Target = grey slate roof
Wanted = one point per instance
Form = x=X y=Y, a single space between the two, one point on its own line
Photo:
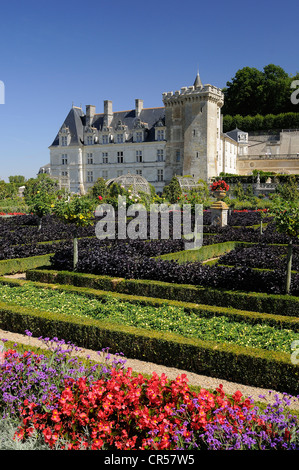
x=197 y=83
x=76 y=120
x=233 y=134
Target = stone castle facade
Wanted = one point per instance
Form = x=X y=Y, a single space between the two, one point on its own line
x=183 y=137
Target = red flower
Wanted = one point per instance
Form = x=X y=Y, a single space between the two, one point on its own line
x=219 y=185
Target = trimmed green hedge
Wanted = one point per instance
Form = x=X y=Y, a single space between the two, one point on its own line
x=249 y=366
x=252 y=301
x=20 y=265
x=204 y=253
x=272 y=122
x=208 y=311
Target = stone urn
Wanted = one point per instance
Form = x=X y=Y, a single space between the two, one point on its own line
x=219 y=194
x=219 y=209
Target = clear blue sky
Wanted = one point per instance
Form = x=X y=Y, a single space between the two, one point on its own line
x=55 y=53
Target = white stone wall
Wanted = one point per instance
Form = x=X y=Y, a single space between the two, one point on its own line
x=90 y=172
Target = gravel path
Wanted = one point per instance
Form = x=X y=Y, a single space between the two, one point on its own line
x=148 y=368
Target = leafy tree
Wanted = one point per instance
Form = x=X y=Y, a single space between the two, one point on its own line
x=39 y=195
x=238 y=191
x=41 y=204
x=289 y=190
x=286 y=217
x=172 y=192
x=43 y=182
x=253 y=92
x=77 y=211
x=244 y=93
x=17 y=179
x=99 y=189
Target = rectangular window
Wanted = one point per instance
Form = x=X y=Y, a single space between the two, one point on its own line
x=139 y=136
x=160 y=155
x=64 y=159
x=139 y=172
x=89 y=140
x=160 y=175
x=105 y=174
x=89 y=159
x=160 y=134
x=105 y=157
x=178 y=156
x=105 y=139
x=120 y=138
x=64 y=174
x=64 y=140
x=120 y=157
x=119 y=173
x=89 y=176
x=139 y=156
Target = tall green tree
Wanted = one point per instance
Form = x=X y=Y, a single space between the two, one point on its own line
x=17 y=179
x=252 y=91
x=39 y=195
x=288 y=190
x=244 y=94
x=286 y=217
x=172 y=192
x=78 y=211
x=43 y=182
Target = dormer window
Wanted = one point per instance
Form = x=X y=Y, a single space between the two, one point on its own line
x=160 y=130
x=105 y=139
x=139 y=136
x=160 y=134
x=90 y=135
x=64 y=136
x=119 y=138
x=120 y=133
x=139 y=131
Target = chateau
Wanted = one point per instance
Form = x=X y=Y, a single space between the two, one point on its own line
x=183 y=137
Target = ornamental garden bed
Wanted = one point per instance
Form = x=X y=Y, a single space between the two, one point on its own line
x=232 y=295
x=173 y=334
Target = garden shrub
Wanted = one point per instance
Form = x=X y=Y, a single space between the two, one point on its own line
x=249 y=366
x=19 y=265
x=256 y=302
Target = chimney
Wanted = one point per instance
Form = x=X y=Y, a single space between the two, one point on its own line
x=138 y=107
x=90 y=112
x=108 y=114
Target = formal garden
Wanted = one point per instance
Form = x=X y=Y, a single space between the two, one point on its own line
x=228 y=310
